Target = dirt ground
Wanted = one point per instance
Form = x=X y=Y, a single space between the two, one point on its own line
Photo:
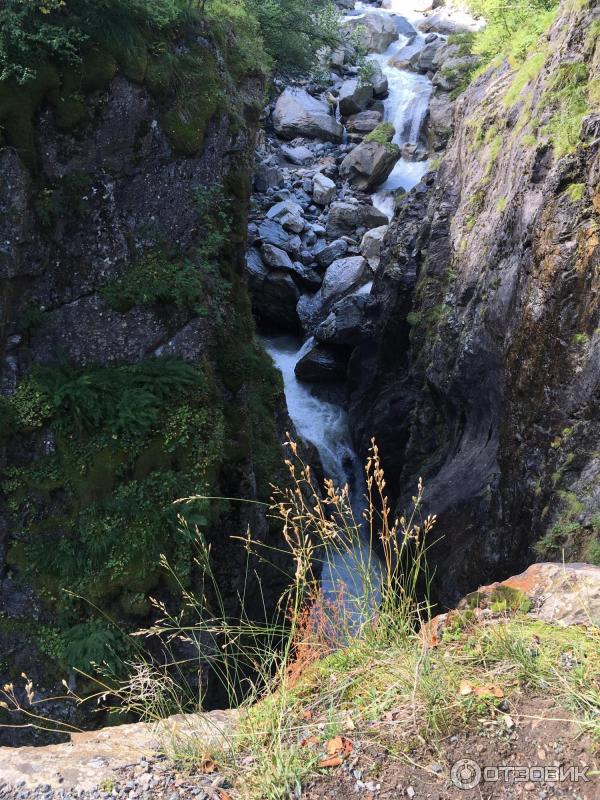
x=537 y=734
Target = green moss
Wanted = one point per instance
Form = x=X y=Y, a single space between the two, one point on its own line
x=501 y=203
x=576 y=191
x=413 y=318
x=382 y=134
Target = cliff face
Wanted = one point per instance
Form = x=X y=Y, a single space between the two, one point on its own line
x=484 y=372
x=122 y=234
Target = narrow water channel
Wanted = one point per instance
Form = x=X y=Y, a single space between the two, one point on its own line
x=322 y=422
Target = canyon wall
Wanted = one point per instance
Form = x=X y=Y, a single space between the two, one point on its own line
x=129 y=369
x=482 y=374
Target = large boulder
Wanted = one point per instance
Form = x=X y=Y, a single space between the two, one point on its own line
x=342 y=277
x=276 y=258
x=424 y=60
x=344 y=218
x=331 y=252
x=374 y=32
x=449 y=21
x=298 y=113
x=440 y=119
x=321 y=364
x=369 y=164
x=354 y=97
x=350 y=320
x=323 y=189
x=300 y=155
x=378 y=80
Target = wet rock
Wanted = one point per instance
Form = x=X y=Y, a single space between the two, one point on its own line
x=343 y=218
x=354 y=97
x=371 y=244
x=324 y=189
x=321 y=364
x=297 y=113
x=364 y=122
x=413 y=151
x=378 y=80
x=374 y=32
x=274 y=298
x=369 y=164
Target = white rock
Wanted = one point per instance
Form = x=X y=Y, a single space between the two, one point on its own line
x=323 y=189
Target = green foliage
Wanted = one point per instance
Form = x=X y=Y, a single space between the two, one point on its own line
x=568 y=96
x=528 y=70
x=66 y=198
x=194 y=283
x=94 y=642
x=293 y=31
x=513 y=27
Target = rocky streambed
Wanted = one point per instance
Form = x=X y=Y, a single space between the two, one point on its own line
x=335 y=155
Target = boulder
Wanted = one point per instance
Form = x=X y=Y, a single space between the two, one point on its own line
x=369 y=164
x=328 y=254
x=349 y=321
x=364 y=121
x=454 y=71
x=323 y=190
x=423 y=60
x=298 y=113
x=372 y=217
x=354 y=97
x=371 y=244
x=270 y=231
x=342 y=276
x=414 y=151
x=374 y=32
x=343 y=218
x=300 y=155
x=284 y=208
x=276 y=258
x=321 y=364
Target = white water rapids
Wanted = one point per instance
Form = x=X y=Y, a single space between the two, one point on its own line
x=322 y=422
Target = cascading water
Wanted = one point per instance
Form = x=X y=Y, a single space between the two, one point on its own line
x=323 y=422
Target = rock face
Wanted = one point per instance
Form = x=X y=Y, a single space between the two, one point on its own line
x=369 y=164
x=100 y=273
x=483 y=373
x=297 y=113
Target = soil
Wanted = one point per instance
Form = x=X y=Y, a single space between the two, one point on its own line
x=537 y=733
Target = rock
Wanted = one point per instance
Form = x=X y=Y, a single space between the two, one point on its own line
x=271 y=232
x=343 y=218
x=364 y=122
x=440 y=120
x=369 y=164
x=274 y=299
x=449 y=21
x=423 y=60
x=565 y=594
x=370 y=246
x=372 y=217
x=297 y=113
x=343 y=276
x=337 y=249
x=354 y=97
x=413 y=151
x=284 y=208
x=300 y=155
x=267 y=176
x=374 y=32
x=276 y=258
x=323 y=189
x=453 y=72
x=321 y=364
x=348 y=321
x=378 y=80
